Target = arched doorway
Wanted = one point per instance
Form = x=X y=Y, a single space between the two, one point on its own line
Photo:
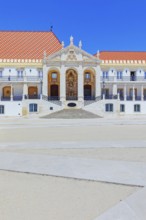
x=71 y=85
x=32 y=92
x=87 y=92
x=53 y=85
x=7 y=92
x=89 y=85
x=54 y=91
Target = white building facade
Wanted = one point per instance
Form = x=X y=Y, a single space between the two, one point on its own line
x=72 y=78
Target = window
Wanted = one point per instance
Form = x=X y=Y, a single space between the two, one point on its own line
x=40 y=73
x=1 y=73
x=136 y=108
x=145 y=75
x=87 y=76
x=54 y=75
x=122 y=108
x=121 y=93
x=109 y=107
x=33 y=107
x=119 y=75
x=105 y=75
x=132 y=76
x=1 y=109
x=20 y=73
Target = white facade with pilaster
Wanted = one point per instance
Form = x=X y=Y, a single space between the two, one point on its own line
x=72 y=78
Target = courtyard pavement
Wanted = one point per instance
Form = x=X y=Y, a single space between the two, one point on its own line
x=15 y=156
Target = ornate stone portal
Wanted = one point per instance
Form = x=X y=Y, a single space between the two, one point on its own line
x=71 y=85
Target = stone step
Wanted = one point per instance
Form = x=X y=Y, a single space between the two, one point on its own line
x=71 y=114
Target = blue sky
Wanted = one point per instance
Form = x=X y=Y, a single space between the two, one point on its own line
x=101 y=25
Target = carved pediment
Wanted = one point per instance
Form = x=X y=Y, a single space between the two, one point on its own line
x=71 y=54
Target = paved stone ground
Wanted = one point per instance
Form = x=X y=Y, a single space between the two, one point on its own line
x=71 y=114
x=111 y=134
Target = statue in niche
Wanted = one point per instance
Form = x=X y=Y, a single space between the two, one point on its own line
x=71 y=84
x=71 y=80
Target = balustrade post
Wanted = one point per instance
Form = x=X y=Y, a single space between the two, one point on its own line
x=103 y=96
x=118 y=96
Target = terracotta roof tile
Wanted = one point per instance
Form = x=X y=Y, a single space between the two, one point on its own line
x=27 y=45
x=105 y=55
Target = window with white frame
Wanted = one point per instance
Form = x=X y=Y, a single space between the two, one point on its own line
x=2 y=109
x=33 y=107
x=105 y=74
x=109 y=107
x=122 y=108
x=119 y=74
x=136 y=108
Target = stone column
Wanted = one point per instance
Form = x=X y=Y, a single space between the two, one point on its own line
x=142 y=96
x=133 y=94
x=45 y=81
x=115 y=76
x=25 y=90
x=114 y=89
x=125 y=95
x=62 y=83
x=41 y=89
x=80 y=84
x=11 y=92
x=97 y=82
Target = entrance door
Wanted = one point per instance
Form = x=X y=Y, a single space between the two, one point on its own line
x=7 y=92
x=87 y=91
x=54 y=92
x=32 y=92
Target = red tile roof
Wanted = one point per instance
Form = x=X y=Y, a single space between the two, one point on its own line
x=27 y=44
x=31 y=45
x=105 y=55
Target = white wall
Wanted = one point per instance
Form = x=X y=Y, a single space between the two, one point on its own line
x=12 y=108
x=129 y=107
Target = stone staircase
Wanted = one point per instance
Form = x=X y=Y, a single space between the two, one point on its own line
x=71 y=114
